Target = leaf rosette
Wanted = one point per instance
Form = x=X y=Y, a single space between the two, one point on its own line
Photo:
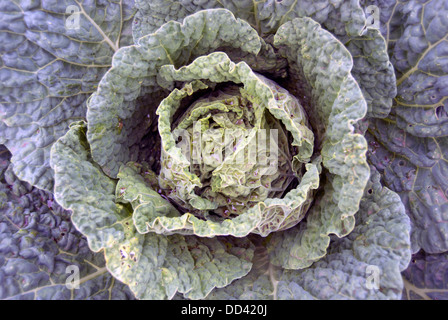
x=204 y=136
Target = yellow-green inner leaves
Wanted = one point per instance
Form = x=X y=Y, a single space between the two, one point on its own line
x=218 y=193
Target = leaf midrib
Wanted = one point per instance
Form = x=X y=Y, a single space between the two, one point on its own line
x=97 y=27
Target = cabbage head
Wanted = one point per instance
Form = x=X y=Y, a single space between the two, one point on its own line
x=222 y=154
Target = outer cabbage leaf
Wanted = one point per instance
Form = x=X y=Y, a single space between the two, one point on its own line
x=154 y=266
x=320 y=69
x=390 y=24
x=38 y=243
x=426 y=277
x=409 y=147
x=380 y=241
x=49 y=69
x=264 y=16
x=345 y=19
x=373 y=71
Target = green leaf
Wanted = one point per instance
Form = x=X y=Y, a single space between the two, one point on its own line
x=264 y=16
x=49 y=70
x=320 y=69
x=41 y=252
x=408 y=147
x=157 y=267
x=415 y=168
x=147 y=204
x=391 y=25
x=373 y=71
x=380 y=242
x=95 y=213
x=154 y=266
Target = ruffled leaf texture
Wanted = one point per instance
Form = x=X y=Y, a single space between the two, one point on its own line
x=153 y=266
x=48 y=69
x=346 y=20
x=152 y=213
x=320 y=68
x=41 y=250
x=380 y=242
x=409 y=147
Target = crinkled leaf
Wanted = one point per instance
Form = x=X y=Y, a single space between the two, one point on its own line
x=320 y=67
x=264 y=16
x=152 y=213
x=82 y=187
x=380 y=243
x=373 y=71
x=416 y=169
x=49 y=69
x=390 y=24
x=41 y=250
x=422 y=72
x=154 y=266
x=146 y=202
x=409 y=148
x=158 y=266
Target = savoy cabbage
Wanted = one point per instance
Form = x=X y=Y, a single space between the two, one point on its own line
x=131 y=149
